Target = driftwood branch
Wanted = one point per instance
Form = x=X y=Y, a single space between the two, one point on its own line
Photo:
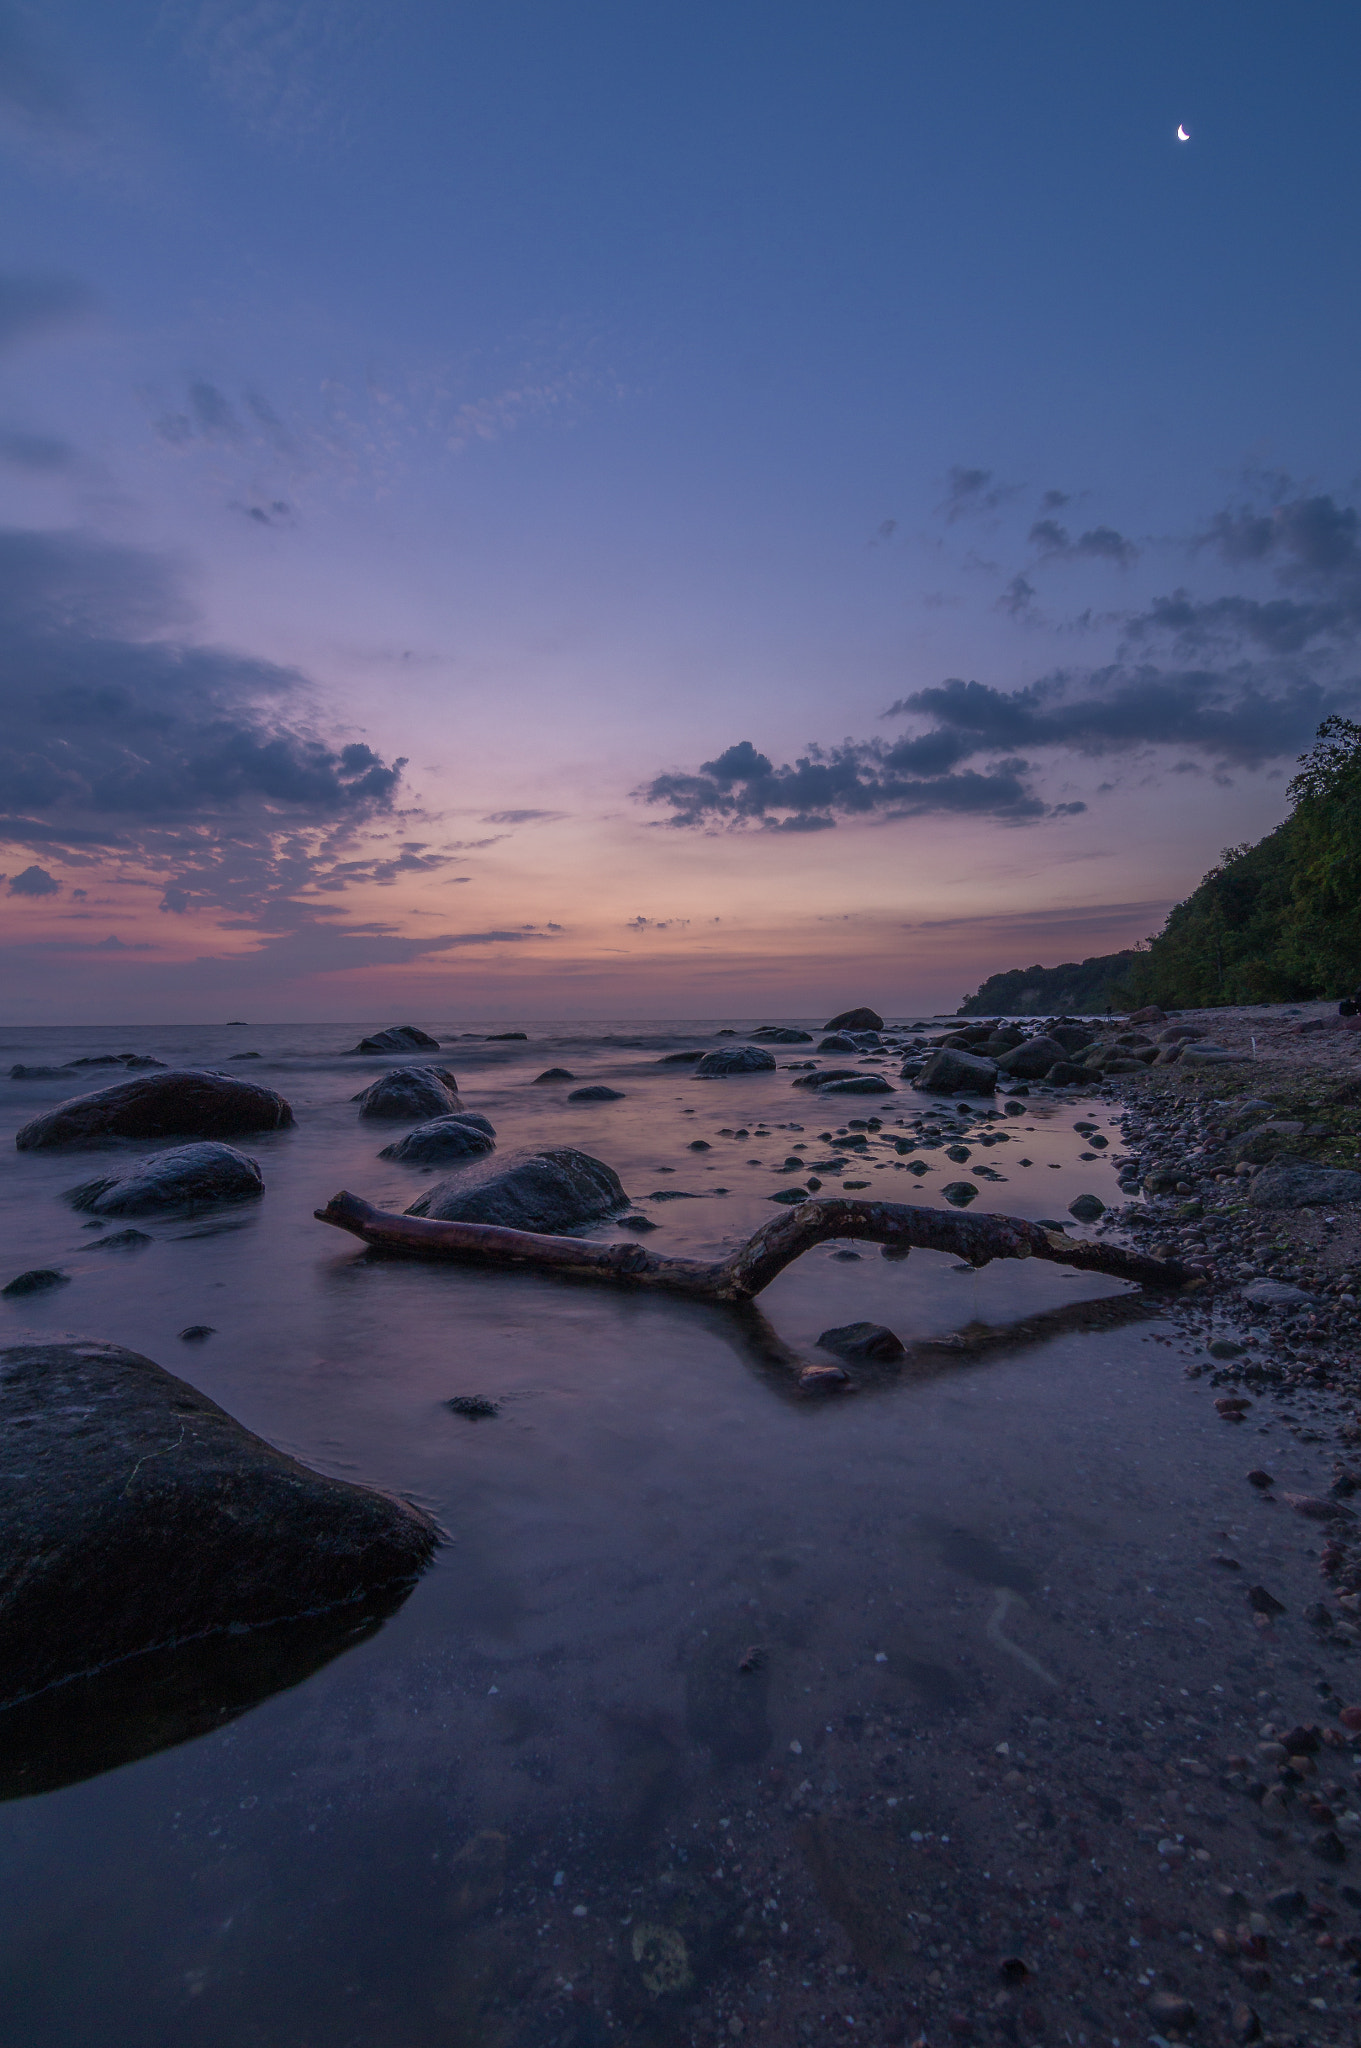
x=753 y=1265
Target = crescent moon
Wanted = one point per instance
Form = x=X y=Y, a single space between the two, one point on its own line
x=1183 y=133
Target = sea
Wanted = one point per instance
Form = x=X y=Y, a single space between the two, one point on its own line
x=698 y=1728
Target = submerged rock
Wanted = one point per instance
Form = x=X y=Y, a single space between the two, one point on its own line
x=414 y=1092
x=736 y=1059
x=559 y=1074
x=855 y=1020
x=863 y=1340
x=137 y=1514
x=597 y=1093
x=780 y=1034
x=548 y=1191
x=398 y=1038
x=839 y=1041
x=180 y=1103
x=464 y=1136
x=189 y=1176
x=38 y=1280
x=858 y=1084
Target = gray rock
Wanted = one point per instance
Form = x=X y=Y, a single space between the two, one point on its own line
x=1087 y=1208
x=399 y=1038
x=959 y=1193
x=552 y=1190
x=22 y=1073
x=860 y=1084
x=464 y=1136
x=187 y=1177
x=180 y=1103
x=38 y=1280
x=819 y=1076
x=562 y=1074
x=780 y=1034
x=855 y=1020
x=502 y=1037
x=1031 y=1059
x=736 y=1059
x=863 y=1340
x=597 y=1093
x=957 y=1073
x=678 y=1059
x=120 y=1241
x=1293 y=1185
x=1264 y=1144
x=1073 y=1038
x=1066 y=1074
x=135 y=1514
x=839 y=1041
x=1207 y=1056
x=1276 y=1294
x=419 y=1093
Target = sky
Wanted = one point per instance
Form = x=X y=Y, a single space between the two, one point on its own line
x=549 y=510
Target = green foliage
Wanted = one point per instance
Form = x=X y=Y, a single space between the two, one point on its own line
x=1279 y=921
x=1276 y=922
x=1083 y=990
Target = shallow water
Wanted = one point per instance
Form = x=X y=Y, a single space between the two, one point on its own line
x=675 y=1593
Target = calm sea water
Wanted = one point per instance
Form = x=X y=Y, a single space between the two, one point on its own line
x=673 y=1595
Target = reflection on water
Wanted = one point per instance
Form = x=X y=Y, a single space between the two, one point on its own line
x=696 y=1720
x=152 y=1702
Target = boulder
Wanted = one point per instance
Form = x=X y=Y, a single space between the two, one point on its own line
x=1031 y=1059
x=1179 y=1034
x=1150 y=1014
x=1072 y=1037
x=1209 y=1056
x=959 y=1193
x=1294 y=1185
x=859 y=1084
x=22 y=1073
x=839 y=1041
x=1066 y=1074
x=464 y=1136
x=871 y=1341
x=417 y=1093
x=855 y=1020
x=999 y=1042
x=179 y=1103
x=1087 y=1208
x=597 y=1093
x=503 y=1037
x=957 y=1073
x=736 y=1059
x=553 y=1190
x=187 y=1177
x=1276 y=1294
x=1259 y=1147
x=675 y=1059
x=819 y=1076
x=137 y=1514
x=561 y=1074
x=780 y=1034
x=37 y=1280
x=398 y=1038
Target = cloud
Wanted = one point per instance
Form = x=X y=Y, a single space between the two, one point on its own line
x=34 y=882
x=972 y=491
x=123 y=736
x=276 y=63
x=1099 y=543
x=32 y=303
x=520 y=818
x=36 y=452
x=866 y=779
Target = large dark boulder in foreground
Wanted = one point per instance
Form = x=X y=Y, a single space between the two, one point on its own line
x=183 y=1102
x=136 y=1514
x=398 y=1038
x=549 y=1191
x=189 y=1176
x=417 y=1093
x=956 y=1073
x=855 y=1020
x=1293 y=1184
x=736 y=1059
x=444 y=1139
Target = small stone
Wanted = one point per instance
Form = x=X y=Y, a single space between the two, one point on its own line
x=565 y=1074
x=1225 y=1347
x=197 y=1333
x=638 y=1223
x=820 y=1379
x=1328 y=1847
x=1261 y=1480
x=959 y=1193
x=863 y=1340
x=1170 y=2009
x=1244 y=2025
x=476 y=1407
x=596 y=1094
x=1087 y=1208
x=1287 y=1904
x=1263 y=1602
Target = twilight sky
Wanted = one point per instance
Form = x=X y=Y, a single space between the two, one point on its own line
x=516 y=508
